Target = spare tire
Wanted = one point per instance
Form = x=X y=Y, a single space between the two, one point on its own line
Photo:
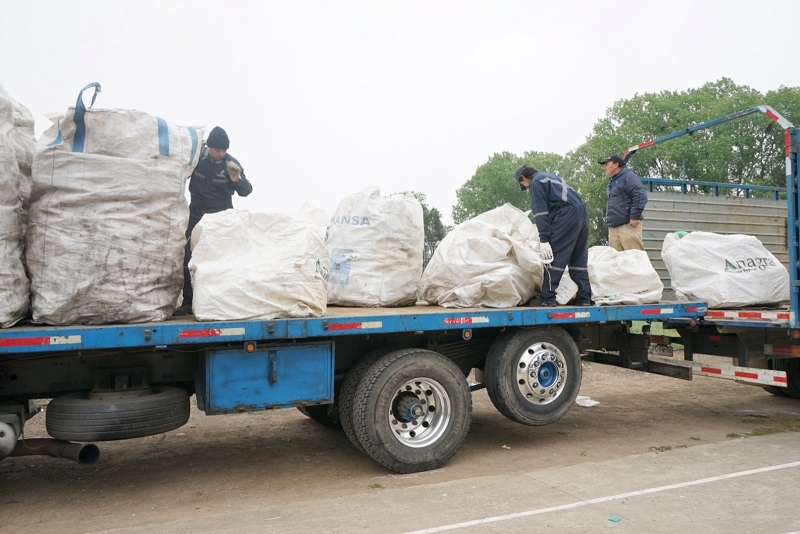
x=77 y=417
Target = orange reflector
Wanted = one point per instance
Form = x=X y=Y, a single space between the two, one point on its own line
x=795 y=334
x=249 y=347
x=466 y=335
x=782 y=350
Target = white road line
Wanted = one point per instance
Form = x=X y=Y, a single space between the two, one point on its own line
x=598 y=500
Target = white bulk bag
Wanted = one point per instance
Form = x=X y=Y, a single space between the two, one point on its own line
x=258 y=266
x=625 y=277
x=491 y=261
x=108 y=216
x=16 y=148
x=376 y=245
x=724 y=270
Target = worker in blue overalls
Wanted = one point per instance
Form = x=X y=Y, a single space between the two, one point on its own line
x=563 y=225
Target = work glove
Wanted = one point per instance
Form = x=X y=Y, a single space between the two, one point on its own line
x=234 y=171
x=545 y=252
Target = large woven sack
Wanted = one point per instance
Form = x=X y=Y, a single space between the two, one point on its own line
x=259 y=266
x=108 y=216
x=491 y=260
x=724 y=270
x=625 y=277
x=376 y=246
x=16 y=148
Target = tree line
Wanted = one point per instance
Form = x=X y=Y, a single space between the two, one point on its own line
x=744 y=151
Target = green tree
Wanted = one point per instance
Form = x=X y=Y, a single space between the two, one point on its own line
x=435 y=229
x=743 y=151
x=493 y=184
x=748 y=150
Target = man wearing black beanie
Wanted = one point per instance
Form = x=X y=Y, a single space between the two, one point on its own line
x=212 y=184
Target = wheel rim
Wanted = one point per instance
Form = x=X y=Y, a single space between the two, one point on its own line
x=541 y=373
x=420 y=412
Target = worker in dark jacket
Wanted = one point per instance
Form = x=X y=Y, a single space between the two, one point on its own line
x=626 y=201
x=560 y=217
x=212 y=184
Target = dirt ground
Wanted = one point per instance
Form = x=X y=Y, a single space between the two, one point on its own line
x=218 y=464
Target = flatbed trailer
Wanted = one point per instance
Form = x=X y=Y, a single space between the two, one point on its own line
x=398 y=381
x=394 y=379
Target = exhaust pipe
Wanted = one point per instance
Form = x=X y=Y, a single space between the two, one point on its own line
x=8 y=439
x=84 y=454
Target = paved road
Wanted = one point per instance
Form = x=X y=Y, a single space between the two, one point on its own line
x=746 y=485
x=655 y=455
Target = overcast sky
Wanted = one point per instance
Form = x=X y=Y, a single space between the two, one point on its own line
x=323 y=99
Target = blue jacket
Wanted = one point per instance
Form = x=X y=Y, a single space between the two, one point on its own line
x=549 y=193
x=211 y=188
x=626 y=198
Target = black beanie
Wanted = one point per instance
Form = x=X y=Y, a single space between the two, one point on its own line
x=218 y=139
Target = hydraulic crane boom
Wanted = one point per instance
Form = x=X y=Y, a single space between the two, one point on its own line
x=791 y=140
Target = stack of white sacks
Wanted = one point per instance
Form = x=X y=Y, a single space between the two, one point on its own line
x=258 y=265
x=100 y=203
x=493 y=261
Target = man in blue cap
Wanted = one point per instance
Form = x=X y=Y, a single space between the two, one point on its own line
x=217 y=176
x=563 y=225
x=626 y=201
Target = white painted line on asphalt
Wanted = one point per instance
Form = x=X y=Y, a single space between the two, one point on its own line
x=598 y=500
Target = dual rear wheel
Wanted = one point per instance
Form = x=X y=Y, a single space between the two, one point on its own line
x=411 y=409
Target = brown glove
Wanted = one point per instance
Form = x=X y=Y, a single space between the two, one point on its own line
x=234 y=171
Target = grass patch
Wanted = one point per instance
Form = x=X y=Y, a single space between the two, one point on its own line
x=776 y=426
x=376 y=486
x=661 y=448
x=765 y=431
x=656 y=329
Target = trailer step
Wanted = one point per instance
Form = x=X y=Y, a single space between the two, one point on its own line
x=747 y=375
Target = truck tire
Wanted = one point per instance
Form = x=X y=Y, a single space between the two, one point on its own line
x=533 y=375
x=778 y=391
x=792 y=368
x=351 y=381
x=324 y=414
x=412 y=410
x=76 y=417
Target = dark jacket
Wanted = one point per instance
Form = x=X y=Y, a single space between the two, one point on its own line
x=626 y=198
x=211 y=188
x=549 y=193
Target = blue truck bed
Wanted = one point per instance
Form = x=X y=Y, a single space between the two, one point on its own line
x=37 y=339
